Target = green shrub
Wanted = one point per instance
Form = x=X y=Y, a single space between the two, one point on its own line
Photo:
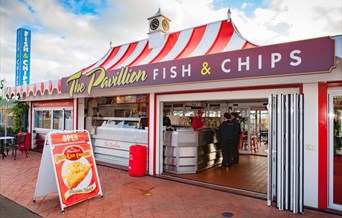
x=19 y=110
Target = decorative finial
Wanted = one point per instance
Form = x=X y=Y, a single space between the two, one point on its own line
x=110 y=44
x=229 y=15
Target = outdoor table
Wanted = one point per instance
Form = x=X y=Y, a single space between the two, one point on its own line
x=3 y=140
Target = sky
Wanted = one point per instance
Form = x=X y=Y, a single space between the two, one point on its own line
x=69 y=35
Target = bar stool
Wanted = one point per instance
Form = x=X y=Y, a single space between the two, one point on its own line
x=254 y=144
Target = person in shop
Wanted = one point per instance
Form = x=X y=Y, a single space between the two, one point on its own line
x=227 y=141
x=166 y=120
x=236 y=137
x=197 y=123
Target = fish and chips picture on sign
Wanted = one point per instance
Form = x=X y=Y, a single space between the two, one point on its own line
x=72 y=159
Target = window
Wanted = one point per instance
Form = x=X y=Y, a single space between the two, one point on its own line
x=46 y=119
x=38 y=117
x=58 y=119
x=68 y=120
x=53 y=119
x=42 y=119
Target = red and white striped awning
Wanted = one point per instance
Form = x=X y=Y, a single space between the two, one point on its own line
x=212 y=38
x=216 y=37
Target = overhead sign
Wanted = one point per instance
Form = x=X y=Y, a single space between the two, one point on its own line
x=70 y=156
x=293 y=58
x=23 y=53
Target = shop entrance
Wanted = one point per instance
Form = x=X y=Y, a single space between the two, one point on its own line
x=254 y=128
x=335 y=148
x=196 y=156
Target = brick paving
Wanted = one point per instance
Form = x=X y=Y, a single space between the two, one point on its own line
x=126 y=196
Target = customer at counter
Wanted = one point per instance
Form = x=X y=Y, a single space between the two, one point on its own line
x=197 y=123
x=237 y=131
x=166 y=120
x=227 y=141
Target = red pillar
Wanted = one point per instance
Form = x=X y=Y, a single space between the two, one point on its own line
x=322 y=146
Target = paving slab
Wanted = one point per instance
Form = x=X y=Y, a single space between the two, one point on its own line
x=126 y=196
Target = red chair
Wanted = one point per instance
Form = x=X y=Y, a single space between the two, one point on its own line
x=19 y=144
x=21 y=138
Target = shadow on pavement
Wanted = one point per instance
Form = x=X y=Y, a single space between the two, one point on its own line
x=10 y=209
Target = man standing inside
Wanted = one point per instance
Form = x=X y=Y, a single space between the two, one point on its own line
x=166 y=120
x=236 y=137
x=227 y=141
x=197 y=123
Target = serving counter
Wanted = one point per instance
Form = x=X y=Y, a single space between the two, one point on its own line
x=186 y=151
x=111 y=145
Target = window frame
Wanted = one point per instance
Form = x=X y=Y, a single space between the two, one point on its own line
x=52 y=112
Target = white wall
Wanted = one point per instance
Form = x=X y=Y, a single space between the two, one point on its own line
x=80 y=115
x=151 y=135
x=311 y=144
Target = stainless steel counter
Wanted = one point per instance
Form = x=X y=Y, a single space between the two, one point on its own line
x=111 y=145
x=186 y=151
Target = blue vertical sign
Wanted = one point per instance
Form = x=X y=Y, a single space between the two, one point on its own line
x=22 y=68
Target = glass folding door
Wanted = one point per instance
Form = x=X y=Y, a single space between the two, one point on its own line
x=335 y=149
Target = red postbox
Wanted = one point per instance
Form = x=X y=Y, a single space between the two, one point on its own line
x=137 y=160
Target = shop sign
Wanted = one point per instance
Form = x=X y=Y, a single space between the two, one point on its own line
x=73 y=162
x=23 y=50
x=54 y=104
x=293 y=58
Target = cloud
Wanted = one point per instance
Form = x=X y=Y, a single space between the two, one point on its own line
x=66 y=39
x=292 y=20
x=246 y=5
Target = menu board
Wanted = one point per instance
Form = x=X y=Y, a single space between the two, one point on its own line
x=130 y=99
x=74 y=166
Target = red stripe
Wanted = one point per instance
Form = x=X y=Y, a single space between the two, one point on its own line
x=128 y=53
x=334 y=83
x=195 y=39
x=154 y=135
x=322 y=146
x=142 y=56
x=285 y=86
x=248 y=45
x=148 y=137
x=301 y=89
x=87 y=68
x=171 y=41
x=222 y=39
x=111 y=56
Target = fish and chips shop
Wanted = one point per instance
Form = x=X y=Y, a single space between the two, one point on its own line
x=288 y=97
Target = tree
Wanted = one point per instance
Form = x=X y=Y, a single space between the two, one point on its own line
x=19 y=110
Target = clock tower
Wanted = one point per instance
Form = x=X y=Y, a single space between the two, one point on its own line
x=157 y=28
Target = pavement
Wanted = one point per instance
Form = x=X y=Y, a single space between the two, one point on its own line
x=10 y=209
x=126 y=196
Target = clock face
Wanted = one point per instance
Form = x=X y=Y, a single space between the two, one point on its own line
x=165 y=25
x=154 y=24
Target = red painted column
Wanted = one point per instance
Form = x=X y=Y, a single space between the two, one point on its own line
x=154 y=135
x=322 y=146
x=301 y=89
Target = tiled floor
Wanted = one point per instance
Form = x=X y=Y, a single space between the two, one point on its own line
x=126 y=196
